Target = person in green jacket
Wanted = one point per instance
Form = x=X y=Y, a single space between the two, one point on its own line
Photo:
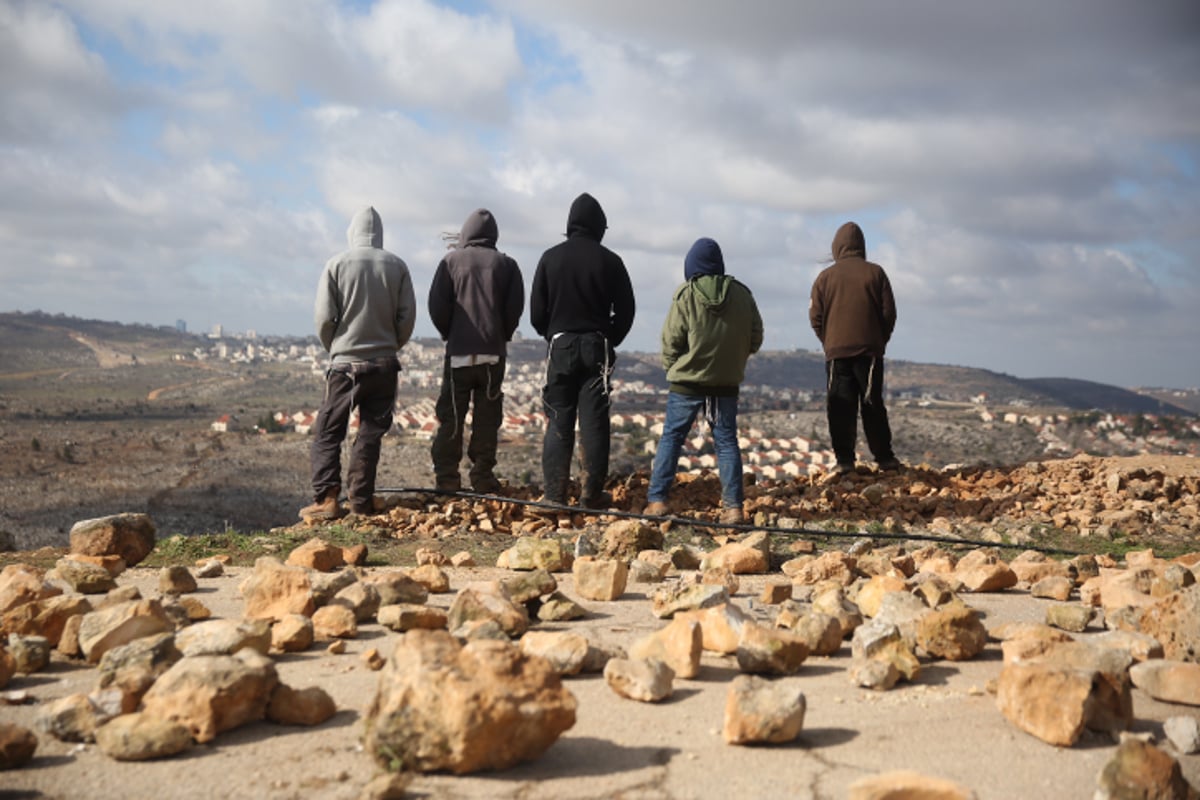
x=711 y=330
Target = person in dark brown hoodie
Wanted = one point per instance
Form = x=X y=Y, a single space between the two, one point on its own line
x=853 y=313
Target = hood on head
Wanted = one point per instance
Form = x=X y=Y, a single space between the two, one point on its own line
x=366 y=229
x=703 y=259
x=479 y=229
x=586 y=218
x=849 y=241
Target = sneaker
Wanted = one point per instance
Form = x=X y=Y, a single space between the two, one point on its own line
x=890 y=465
x=731 y=515
x=656 y=509
x=323 y=510
x=602 y=500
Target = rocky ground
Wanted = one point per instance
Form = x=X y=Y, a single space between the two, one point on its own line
x=1006 y=674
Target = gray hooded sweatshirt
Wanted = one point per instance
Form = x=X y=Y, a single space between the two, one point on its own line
x=365 y=306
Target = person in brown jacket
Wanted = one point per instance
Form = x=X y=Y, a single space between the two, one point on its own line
x=853 y=313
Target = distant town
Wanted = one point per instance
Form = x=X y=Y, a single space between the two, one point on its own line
x=638 y=414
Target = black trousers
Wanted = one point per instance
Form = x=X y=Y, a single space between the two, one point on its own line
x=856 y=386
x=478 y=389
x=369 y=386
x=578 y=369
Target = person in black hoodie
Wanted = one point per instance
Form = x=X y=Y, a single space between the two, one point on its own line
x=582 y=304
x=475 y=301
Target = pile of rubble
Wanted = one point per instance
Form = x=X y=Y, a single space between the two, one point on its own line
x=1083 y=496
x=478 y=685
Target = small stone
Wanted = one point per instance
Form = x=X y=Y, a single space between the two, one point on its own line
x=564 y=650
x=678 y=645
x=17 y=746
x=560 y=608
x=672 y=599
x=334 y=622
x=636 y=679
x=1139 y=769
x=600 y=578
x=388 y=786
x=426 y=556
x=432 y=577
x=396 y=587
x=83 y=576
x=373 y=659
x=1069 y=616
x=530 y=585
x=309 y=706
x=292 y=634
x=462 y=559
x=141 y=737
x=29 y=653
x=130 y=536
x=1184 y=734
x=907 y=785
x=409 y=616
x=336 y=648
x=871 y=674
x=954 y=633
x=224 y=637
x=770 y=651
x=757 y=710
x=1169 y=681
x=317 y=554
x=1053 y=587
x=209 y=568
x=176 y=580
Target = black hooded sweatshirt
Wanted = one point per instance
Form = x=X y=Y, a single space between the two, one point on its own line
x=580 y=285
x=851 y=308
x=477 y=295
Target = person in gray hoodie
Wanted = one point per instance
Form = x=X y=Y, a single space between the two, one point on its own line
x=475 y=301
x=364 y=313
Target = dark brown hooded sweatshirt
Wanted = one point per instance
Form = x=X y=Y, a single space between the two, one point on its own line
x=852 y=309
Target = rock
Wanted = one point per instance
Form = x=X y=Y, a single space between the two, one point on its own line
x=73 y=718
x=720 y=626
x=1183 y=733
x=334 y=622
x=637 y=679
x=68 y=642
x=934 y=590
x=1054 y=587
x=748 y=556
x=685 y=557
x=980 y=571
x=880 y=640
x=832 y=601
x=176 y=580
x=678 y=645
x=17 y=746
x=721 y=576
x=821 y=632
x=309 y=706
x=428 y=556
x=564 y=650
x=130 y=536
x=1175 y=622
x=560 y=608
x=905 y=611
x=770 y=651
x=396 y=587
x=526 y=586
x=355 y=555
x=8 y=667
x=361 y=598
x=1031 y=567
x=1068 y=616
x=84 y=576
x=191 y=609
x=871 y=674
x=121 y=594
x=1169 y=681
x=488 y=601
x=600 y=578
x=775 y=592
x=292 y=634
x=224 y=637
x=432 y=577
x=462 y=559
x=113 y=626
x=831 y=566
x=1141 y=770
x=409 y=616
x=669 y=600
x=46 y=617
x=209 y=568
x=21 y=584
x=29 y=653
x=761 y=711
x=133 y=668
x=274 y=590
x=388 y=786
x=870 y=595
x=141 y=737
x=464 y=708
x=316 y=554
x=373 y=659
x=954 y=633
x=211 y=694
x=530 y=553
x=907 y=785
x=624 y=539
x=1140 y=646
x=642 y=572
x=326 y=585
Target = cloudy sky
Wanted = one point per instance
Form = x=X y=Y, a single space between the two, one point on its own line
x=1027 y=171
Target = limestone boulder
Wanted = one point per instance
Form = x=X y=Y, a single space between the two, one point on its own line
x=141 y=737
x=531 y=553
x=309 y=706
x=600 y=578
x=130 y=536
x=678 y=645
x=441 y=705
x=274 y=590
x=647 y=681
x=317 y=554
x=1175 y=622
x=118 y=624
x=488 y=601
x=954 y=633
x=564 y=650
x=17 y=746
x=211 y=694
x=761 y=711
x=1169 y=681
x=626 y=538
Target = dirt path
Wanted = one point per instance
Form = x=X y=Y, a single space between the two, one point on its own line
x=946 y=724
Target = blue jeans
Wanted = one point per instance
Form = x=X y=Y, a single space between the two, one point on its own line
x=681 y=413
